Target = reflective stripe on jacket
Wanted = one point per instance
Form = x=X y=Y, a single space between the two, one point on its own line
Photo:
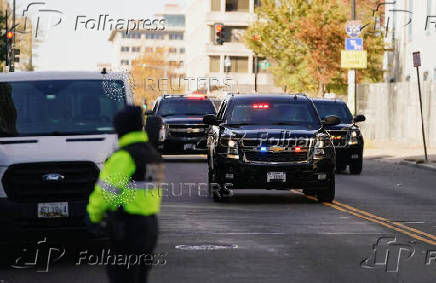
x=127 y=180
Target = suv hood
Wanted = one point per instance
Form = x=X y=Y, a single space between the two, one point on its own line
x=183 y=120
x=270 y=131
x=95 y=148
x=341 y=127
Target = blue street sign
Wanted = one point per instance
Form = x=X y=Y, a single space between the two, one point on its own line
x=354 y=44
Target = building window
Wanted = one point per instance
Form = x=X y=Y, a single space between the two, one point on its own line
x=172 y=50
x=239 y=64
x=176 y=36
x=154 y=35
x=125 y=62
x=214 y=64
x=131 y=35
x=173 y=63
x=149 y=49
x=237 y=5
x=125 y=49
x=182 y=50
x=215 y=5
x=136 y=49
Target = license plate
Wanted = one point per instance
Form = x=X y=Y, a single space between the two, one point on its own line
x=188 y=146
x=53 y=210
x=355 y=156
x=276 y=177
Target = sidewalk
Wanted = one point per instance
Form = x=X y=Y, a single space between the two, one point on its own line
x=400 y=153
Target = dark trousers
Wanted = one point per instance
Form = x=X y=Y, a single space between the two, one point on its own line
x=133 y=237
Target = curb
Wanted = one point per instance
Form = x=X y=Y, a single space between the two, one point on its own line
x=420 y=166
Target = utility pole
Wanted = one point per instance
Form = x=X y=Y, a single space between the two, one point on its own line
x=12 y=55
x=417 y=64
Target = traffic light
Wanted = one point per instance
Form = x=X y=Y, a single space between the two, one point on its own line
x=219 y=34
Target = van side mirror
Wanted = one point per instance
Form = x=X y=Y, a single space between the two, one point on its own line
x=210 y=119
x=331 y=121
x=359 y=118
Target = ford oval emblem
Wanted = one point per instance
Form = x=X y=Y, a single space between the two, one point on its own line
x=53 y=177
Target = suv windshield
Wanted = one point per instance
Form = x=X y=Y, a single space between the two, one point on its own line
x=59 y=107
x=185 y=106
x=338 y=109
x=279 y=112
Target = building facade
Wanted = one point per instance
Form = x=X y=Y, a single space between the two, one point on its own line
x=411 y=26
x=126 y=47
x=231 y=60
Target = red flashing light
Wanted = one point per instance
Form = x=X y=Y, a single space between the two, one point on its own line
x=196 y=97
x=297 y=149
x=10 y=35
x=261 y=106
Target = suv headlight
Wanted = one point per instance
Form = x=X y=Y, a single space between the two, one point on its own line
x=163 y=133
x=232 y=149
x=354 y=138
x=319 y=150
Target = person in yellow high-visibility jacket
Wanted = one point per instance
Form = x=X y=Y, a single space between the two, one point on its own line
x=127 y=192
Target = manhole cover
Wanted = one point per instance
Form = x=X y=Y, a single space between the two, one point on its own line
x=206 y=247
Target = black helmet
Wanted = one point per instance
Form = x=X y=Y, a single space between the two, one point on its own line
x=127 y=120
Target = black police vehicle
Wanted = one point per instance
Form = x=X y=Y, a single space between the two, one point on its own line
x=346 y=136
x=182 y=129
x=270 y=142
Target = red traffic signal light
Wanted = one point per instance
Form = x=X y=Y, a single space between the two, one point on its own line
x=10 y=35
x=219 y=34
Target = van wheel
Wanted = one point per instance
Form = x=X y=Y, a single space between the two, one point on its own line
x=328 y=195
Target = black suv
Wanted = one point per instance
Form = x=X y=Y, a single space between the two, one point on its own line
x=182 y=129
x=346 y=136
x=270 y=142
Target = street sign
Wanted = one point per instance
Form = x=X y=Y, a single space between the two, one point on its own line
x=354 y=59
x=263 y=65
x=417 y=59
x=354 y=44
x=353 y=28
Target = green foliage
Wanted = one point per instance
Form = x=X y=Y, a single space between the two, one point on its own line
x=303 y=40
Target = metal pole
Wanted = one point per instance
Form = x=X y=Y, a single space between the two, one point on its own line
x=422 y=116
x=353 y=17
x=255 y=72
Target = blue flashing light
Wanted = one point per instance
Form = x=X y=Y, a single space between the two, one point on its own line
x=263 y=149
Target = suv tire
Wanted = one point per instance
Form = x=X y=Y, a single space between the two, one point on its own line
x=328 y=195
x=356 y=166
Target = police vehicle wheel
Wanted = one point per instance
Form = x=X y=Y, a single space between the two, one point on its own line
x=216 y=187
x=328 y=195
x=356 y=167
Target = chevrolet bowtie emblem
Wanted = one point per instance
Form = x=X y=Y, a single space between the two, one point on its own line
x=276 y=149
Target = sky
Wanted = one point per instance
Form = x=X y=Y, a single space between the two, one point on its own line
x=61 y=47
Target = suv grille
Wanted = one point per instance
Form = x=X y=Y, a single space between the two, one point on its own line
x=275 y=157
x=24 y=182
x=188 y=131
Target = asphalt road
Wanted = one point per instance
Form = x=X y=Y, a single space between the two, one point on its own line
x=280 y=236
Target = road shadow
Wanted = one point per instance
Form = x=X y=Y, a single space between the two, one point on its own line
x=268 y=197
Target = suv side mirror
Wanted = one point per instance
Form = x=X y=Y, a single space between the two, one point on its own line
x=331 y=121
x=359 y=118
x=210 y=119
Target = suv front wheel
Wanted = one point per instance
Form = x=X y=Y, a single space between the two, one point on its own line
x=328 y=194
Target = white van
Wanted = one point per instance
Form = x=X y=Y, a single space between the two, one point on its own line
x=55 y=134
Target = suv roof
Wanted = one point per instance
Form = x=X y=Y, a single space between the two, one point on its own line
x=249 y=97
x=36 y=76
x=334 y=100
